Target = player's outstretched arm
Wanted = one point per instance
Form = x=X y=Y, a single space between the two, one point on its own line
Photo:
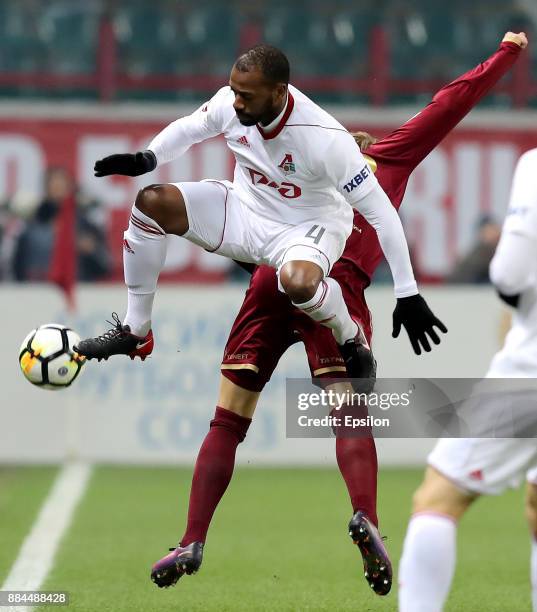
x=412 y=142
x=174 y=140
x=364 y=193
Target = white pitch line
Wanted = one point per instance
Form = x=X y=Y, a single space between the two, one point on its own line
x=36 y=555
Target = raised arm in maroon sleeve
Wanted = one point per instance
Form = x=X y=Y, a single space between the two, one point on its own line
x=407 y=146
x=397 y=155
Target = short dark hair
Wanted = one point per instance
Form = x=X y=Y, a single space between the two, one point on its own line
x=272 y=63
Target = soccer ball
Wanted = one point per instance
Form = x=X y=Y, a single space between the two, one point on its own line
x=47 y=358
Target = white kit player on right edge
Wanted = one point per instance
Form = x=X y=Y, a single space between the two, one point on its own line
x=460 y=470
x=298 y=174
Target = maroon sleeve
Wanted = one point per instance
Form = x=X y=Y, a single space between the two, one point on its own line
x=407 y=146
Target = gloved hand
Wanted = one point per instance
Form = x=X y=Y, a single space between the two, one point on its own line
x=417 y=318
x=128 y=164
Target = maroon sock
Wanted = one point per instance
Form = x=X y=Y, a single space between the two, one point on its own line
x=357 y=461
x=213 y=471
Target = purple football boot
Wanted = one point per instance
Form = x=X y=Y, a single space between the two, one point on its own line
x=377 y=565
x=181 y=560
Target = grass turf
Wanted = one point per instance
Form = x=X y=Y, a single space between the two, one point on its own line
x=22 y=491
x=278 y=543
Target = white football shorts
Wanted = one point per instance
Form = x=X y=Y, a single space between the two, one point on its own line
x=487 y=466
x=221 y=223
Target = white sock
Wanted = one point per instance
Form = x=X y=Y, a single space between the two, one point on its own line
x=428 y=563
x=534 y=573
x=144 y=253
x=328 y=307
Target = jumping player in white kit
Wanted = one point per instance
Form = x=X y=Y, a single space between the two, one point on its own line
x=460 y=470
x=298 y=174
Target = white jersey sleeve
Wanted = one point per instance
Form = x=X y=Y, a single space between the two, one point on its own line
x=379 y=212
x=346 y=166
x=514 y=265
x=179 y=136
x=357 y=183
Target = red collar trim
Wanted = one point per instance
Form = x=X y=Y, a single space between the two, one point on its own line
x=273 y=133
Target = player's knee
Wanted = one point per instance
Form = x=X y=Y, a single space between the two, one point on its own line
x=422 y=498
x=438 y=494
x=164 y=204
x=237 y=399
x=147 y=201
x=300 y=280
x=531 y=507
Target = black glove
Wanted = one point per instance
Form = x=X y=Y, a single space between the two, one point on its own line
x=418 y=319
x=510 y=300
x=128 y=164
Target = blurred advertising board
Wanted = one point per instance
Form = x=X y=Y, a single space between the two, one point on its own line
x=158 y=411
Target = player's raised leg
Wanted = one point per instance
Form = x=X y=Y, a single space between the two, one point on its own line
x=428 y=562
x=257 y=341
x=159 y=210
x=320 y=297
x=212 y=474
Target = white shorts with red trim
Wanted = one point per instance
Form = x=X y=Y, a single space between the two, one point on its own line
x=486 y=466
x=221 y=223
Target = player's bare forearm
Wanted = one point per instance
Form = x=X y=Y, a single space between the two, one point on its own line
x=420 y=135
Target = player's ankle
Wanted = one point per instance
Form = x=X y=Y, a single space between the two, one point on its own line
x=138 y=329
x=345 y=332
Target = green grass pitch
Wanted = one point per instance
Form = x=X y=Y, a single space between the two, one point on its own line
x=278 y=542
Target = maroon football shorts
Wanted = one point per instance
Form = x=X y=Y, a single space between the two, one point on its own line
x=268 y=324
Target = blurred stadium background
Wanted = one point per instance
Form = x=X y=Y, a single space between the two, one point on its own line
x=83 y=79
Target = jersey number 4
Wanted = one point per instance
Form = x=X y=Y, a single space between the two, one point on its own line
x=316 y=237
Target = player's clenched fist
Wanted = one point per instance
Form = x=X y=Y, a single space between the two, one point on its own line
x=127 y=164
x=519 y=39
x=419 y=321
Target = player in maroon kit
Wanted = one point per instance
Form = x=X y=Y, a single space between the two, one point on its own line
x=267 y=325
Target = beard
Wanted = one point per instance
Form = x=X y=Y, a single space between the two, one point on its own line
x=264 y=116
x=247 y=120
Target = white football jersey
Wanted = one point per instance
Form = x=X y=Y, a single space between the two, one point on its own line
x=302 y=167
x=516 y=255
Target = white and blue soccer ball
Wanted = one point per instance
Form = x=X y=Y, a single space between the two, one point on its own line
x=47 y=358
